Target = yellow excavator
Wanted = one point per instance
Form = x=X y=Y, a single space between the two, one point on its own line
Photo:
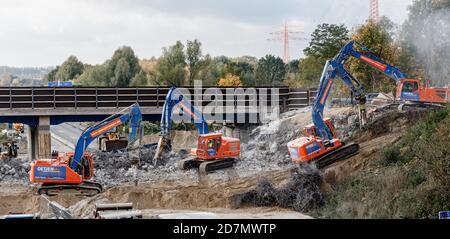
x=112 y=141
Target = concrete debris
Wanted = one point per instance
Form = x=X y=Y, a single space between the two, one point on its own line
x=14 y=170
x=382 y=99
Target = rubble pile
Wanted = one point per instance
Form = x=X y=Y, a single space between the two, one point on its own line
x=14 y=170
x=302 y=193
x=115 y=168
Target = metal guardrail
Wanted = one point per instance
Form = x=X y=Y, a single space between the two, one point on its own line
x=154 y=97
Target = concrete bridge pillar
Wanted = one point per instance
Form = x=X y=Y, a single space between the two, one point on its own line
x=31 y=139
x=44 y=138
x=39 y=140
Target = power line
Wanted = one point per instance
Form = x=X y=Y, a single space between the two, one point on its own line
x=374 y=15
x=286 y=35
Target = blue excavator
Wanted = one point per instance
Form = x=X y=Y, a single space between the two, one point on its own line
x=69 y=172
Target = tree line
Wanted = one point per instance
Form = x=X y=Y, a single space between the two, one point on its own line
x=181 y=64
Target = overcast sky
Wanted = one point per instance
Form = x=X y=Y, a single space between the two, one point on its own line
x=46 y=32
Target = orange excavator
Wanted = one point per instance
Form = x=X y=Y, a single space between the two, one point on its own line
x=213 y=152
x=320 y=142
x=70 y=172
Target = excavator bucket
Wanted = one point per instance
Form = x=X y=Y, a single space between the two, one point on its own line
x=164 y=145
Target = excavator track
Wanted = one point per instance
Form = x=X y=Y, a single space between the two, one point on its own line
x=338 y=155
x=219 y=164
x=205 y=167
x=84 y=189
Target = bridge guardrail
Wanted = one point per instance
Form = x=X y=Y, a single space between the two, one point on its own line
x=107 y=97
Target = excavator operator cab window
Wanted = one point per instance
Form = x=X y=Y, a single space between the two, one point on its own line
x=86 y=167
x=212 y=146
x=410 y=86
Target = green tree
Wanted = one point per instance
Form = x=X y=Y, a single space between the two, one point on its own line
x=95 y=76
x=242 y=69
x=217 y=69
x=51 y=76
x=69 y=70
x=327 y=40
x=270 y=71
x=310 y=70
x=139 y=79
x=193 y=58
x=171 y=66
x=122 y=67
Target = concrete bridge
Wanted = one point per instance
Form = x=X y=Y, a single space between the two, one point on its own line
x=41 y=107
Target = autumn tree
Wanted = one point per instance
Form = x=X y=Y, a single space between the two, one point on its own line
x=230 y=80
x=378 y=39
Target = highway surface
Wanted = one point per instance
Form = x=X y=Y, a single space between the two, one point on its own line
x=65 y=136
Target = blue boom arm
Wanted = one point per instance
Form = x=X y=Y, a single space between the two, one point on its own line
x=134 y=116
x=335 y=68
x=370 y=59
x=173 y=98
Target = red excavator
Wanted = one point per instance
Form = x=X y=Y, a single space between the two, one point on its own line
x=320 y=142
x=213 y=152
x=70 y=172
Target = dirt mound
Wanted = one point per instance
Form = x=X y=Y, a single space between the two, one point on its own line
x=19 y=199
x=177 y=195
x=388 y=121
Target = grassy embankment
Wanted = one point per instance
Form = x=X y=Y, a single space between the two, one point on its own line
x=410 y=179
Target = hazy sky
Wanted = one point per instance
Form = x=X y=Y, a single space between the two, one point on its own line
x=46 y=32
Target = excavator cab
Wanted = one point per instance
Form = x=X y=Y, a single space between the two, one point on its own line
x=409 y=89
x=213 y=152
x=209 y=146
x=413 y=90
x=86 y=166
x=310 y=130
